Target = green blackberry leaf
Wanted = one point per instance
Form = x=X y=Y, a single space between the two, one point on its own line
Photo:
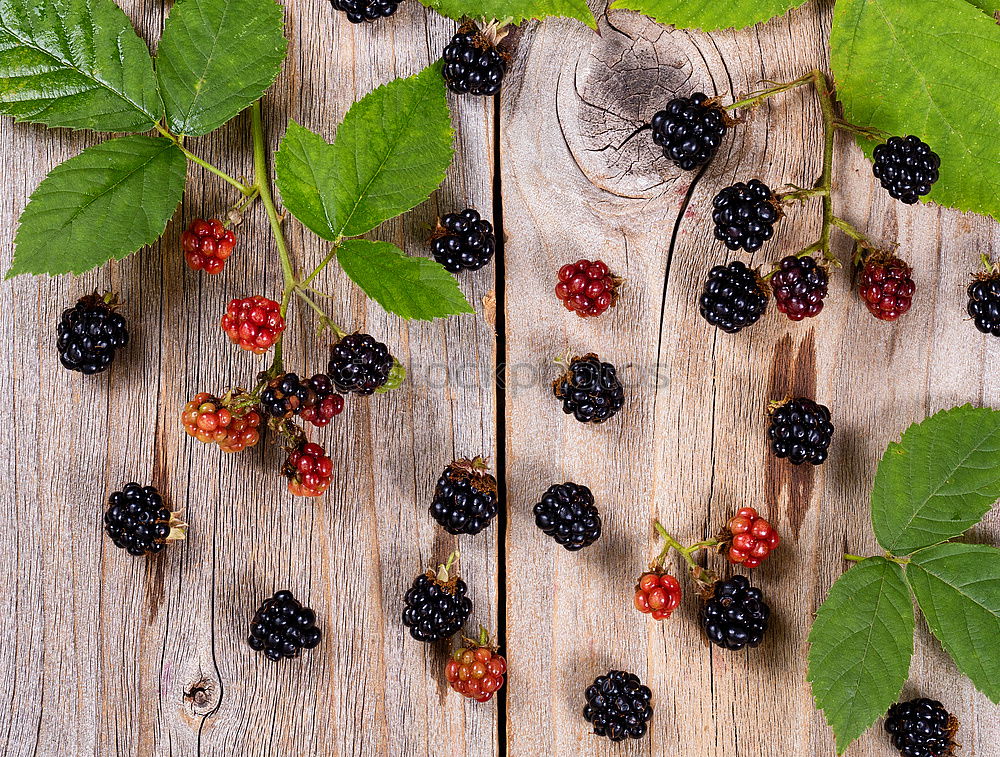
x=390 y=153
x=990 y=6
x=217 y=57
x=938 y=480
x=513 y=11
x=410 y=287
x=928 y=68
x=958 y=589
x=75 y=63
x=860 y=647
x=101 y=205
x=709 y=15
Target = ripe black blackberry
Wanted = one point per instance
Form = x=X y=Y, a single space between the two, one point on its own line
x=463 y=240
x=89 y=333
x=618 y=706
x=465 y=498
x=282 y=627
x=690 y=130
x=473 y=64
x=139 y=522
x=744 y=215
x=734 y=297
x=984 y=302
x=567 y=514
x=590 y=390
x=359 y=364
x=921 y=728
x=800 y=430
x=436 y=607
x=907 y=167
x=735 y=616
x=800 y=286
x=360 y=11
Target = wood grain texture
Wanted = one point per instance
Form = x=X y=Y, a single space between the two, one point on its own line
x=110 y=655
x=689 y=448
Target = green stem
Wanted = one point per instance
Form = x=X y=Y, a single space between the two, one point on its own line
x=323 y=317
x=243 y=188
x=670 y=542
x=824 y=92
x=323 y=263
x=755 y=98
x=867 y=132
x=855 y=558
x=263 y=184
x=853 y=233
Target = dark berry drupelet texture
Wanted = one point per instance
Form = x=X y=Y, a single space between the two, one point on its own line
x=801 y=431
x=800 y=285
x=689 y=130
x=360 y=11
x=921 y=728
x=907 y=167
x=465 y=498
x=139 y=522
x=472 y=65
x=314 y=398
x=984 y=304
x=886 y=286
x=735 y=616
x=359 y=364
x=618 y=706
x=282 y=627
x=463 y=241
x=567 y=514
x=88 y=335
x=733 y=297
x=435 y=609
x=590 y=390
x=744 y=215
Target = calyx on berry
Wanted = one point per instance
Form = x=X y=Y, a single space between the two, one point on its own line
x=436 y=605
x=138 y=521
x=475 y=670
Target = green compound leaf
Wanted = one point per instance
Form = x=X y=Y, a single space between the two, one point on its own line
x=513 y=11
x=938 y=480
x=390 y=153
x=709 y=15
x=75 y=63
x=929 y=68
x=216 y=58
x=104 y=204
x=990 y=6
x=958 y=589
x=412 y=288
x=860 y=647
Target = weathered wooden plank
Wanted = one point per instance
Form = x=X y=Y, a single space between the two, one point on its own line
x=114 y=656
x=689 y=448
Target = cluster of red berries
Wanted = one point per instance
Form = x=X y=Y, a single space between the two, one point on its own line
x=208 y=420
x=587 y=288
x=309 y=470
x=253 y=323
x=207 y=245
x=657 y=594
x=886 y=286
x=753 y=538
x=476 y=671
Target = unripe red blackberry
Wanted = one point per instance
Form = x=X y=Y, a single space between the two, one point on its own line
x=590 y=390
x=282 y=627
x=475 y=670
x=89 y=333
x=690 y=130
x=231 y=423
x=886 y=286
x=587 y=288
x=138 y=521
x=750 y=538
x=253 y=323
x=207 y=245
x=309 y=470
x=906 y=167
x=799 y=286
x=657 y=594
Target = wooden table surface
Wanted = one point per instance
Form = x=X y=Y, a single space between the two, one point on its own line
x=109 y=655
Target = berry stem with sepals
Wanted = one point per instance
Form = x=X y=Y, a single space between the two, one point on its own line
x=442 y=574
x=179 y=142
x=670 y=542
x=324 y=319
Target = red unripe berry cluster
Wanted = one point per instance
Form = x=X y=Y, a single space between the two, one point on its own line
x=309 y=471
x=886 y=287
x=207 y=245
x=206 y=419
x=253 y=323
x=587 y=288
x=476 y=673
x=753 y=538
x=323 y=412
x=657 y=594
